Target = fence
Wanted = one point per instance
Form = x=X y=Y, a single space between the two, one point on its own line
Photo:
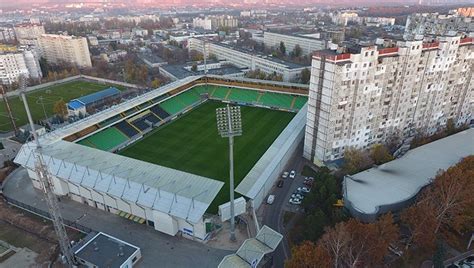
x=44 y=214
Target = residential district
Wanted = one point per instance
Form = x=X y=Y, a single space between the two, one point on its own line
x=237 y=134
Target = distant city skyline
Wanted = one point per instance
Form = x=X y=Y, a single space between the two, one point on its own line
x=235 y=3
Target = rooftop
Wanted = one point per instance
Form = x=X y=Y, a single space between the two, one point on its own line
x=104 y=250
x=94 y=97
x=387 y=186
x=180 y=72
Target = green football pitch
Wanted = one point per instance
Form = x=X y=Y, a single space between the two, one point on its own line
x=47 y=96
x=192 y=144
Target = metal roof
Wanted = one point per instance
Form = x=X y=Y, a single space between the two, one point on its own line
x=97 y=96
x=170 y=191
x=251 y=252
x=401 y=179
x=257 y=176
x=104 y=250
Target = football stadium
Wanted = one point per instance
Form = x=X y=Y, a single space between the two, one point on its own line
x=157 y=159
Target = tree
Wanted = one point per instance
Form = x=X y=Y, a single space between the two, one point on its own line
x=380 y=154
x=195 y=55
x=305 y=76
x=356 y=161
x=308 y=255
x=60 y=109
x=450 y=127
x=282 y=48
x=194 y=68
x=155 y=83
x=297 y=51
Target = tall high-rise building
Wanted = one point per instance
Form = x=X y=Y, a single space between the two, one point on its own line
x=71 y=49
x=14 y=63
x=374 y=95
x=26 y=32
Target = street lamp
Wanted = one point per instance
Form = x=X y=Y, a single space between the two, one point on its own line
x=229 y=125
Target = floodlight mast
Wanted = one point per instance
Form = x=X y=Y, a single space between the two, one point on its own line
x=45 y=179
x=229 y=124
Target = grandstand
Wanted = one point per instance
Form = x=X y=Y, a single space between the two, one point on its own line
x=105 y=140
x=158 y=134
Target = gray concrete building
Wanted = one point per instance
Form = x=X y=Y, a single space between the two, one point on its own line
x=371 y=96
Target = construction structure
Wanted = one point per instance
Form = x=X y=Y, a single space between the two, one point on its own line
x=46 y=183
x=377 y=94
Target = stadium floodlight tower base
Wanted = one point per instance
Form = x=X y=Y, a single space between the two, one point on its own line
x=229 y=124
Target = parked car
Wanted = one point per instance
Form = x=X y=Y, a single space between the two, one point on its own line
x=309 y=184
x=295 y=201
x=270 y=199
x=292 y=174
x=297 y=196
x=303 y=190
x=285 y=175
x=280 y=183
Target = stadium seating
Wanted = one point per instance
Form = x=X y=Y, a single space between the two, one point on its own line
x=172 y=106
x=243 y=95
x=130 y=111
x=204 y=89
x=157 y=99
x=299 y=102
x=109 y=121
x=277 y=100
x=159 y=112
x=189 y=97
x=127 y=129
x=220 y=93
x=105 y=140
x=143 y=123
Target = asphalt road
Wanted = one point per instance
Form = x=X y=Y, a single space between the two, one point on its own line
x=273 y=214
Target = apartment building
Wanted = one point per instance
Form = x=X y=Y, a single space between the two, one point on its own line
x=7 y=34
x=14 y=63
x=371 y=96
x=215 y=22
x=307 y=44
x=27 y=32
x=72 y=49
x=423 y=24
x=249 y=59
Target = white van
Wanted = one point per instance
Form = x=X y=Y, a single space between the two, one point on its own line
x=270 y=199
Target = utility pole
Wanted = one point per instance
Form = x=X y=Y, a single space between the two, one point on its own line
x=48 y=187
x=229 y=124
x=9 y=110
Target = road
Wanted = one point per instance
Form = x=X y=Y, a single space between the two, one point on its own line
x=273 y=214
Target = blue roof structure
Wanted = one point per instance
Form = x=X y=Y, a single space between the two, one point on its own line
x=92 y=98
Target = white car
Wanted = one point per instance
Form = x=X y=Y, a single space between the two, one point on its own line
x=285 y=175
x=270 y=199
x=303 y=189
x=292 y=174
x=297 y=196
x=295 y=201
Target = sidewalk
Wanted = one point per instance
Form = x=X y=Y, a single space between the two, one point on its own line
x=157 y=248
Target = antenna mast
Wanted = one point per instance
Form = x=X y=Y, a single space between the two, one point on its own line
x=48 y=186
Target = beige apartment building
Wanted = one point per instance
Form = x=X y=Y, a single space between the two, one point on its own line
x=55 y=48
x=26 y=33
x=361 y=99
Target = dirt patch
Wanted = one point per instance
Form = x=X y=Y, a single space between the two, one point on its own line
x=22 y=229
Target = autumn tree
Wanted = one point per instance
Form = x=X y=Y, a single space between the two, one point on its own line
x=444 y=206
x=308 y=255
x=380 y=154
x=155 y=83
x=60 y=109
x=356 y=160
x=195 y=55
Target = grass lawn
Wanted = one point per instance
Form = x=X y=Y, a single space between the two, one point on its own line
x=50 y=95
x=192 y=144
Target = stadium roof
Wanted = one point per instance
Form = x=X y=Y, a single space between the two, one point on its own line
x=94 y=97
x=257 y=176
x=170 y=191
x=251 y=252
x=387 y=186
